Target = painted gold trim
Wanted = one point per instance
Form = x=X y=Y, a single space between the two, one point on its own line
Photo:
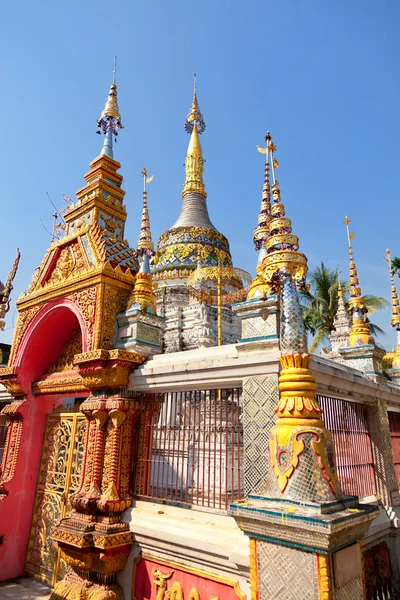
x=324 y=577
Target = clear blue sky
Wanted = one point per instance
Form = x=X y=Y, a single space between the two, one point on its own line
x=324 y=77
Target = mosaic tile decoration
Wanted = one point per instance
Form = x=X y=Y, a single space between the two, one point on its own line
x=308 y=481
x=286 y=573
x=260 y=397
x=351 y=591
x=256 y=327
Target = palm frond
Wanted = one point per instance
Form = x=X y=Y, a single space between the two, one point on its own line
x=318 y=339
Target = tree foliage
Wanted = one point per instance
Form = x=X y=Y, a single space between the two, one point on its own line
x=320 y=304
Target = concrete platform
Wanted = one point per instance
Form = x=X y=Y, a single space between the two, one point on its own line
x=24 y=588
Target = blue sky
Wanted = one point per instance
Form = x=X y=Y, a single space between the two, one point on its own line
x=323 y=77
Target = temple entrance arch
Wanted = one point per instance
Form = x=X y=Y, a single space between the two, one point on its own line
x=43 y=361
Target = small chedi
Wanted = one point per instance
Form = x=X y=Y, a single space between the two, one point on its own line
x=191 y=239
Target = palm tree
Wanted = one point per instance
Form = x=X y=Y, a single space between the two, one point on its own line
x=321 y=304
x=396 y=265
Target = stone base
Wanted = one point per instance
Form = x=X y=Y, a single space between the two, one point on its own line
x=305 y=525
x=302 y=551
x=140 y=332
x=259 y=319
x=394 y=375
x=367 y=359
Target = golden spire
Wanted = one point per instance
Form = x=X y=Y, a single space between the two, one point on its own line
x=194 y=162
x=145 y=244
x=395 y=318
x=360 y=330
x=261 y=232
x=282 y=245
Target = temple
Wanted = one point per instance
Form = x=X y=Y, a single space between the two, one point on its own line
x=165 y=431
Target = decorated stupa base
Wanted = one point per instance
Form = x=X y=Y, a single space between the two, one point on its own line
x=394 y=371
x=365 y=358
x=140 y=331
x=259 y=319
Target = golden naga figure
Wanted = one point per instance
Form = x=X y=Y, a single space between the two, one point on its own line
x=176 y=591
x=5 y=291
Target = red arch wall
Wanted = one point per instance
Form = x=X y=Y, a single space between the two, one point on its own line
x=40 y=347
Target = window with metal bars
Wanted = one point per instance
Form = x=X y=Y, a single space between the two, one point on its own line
x=394 y=424
x=192 y=449
x=348 y=424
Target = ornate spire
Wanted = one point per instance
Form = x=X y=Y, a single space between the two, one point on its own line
x=339 y=337
x=261 y=232
x=143 y=297
x=194 y=161
x=282 y=246
x=360 y=331
x=5 y=290
x=110 y=119
x=145 y=244
x=395 y=318
x=283 y=269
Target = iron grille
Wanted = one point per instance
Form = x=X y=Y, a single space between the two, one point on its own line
x=194 y=449
x=348 y=424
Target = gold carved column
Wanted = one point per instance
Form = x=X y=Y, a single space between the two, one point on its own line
x=92 y=539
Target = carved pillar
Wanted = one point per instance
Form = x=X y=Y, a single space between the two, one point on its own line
x=93 y=540
x=11 y=414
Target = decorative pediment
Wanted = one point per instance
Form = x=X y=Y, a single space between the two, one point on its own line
x=68 y=260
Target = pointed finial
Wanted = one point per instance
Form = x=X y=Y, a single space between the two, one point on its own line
x=360 y=329
x=110 y=119
x=195 y=117
x=115 y=71
x=145 y=246
x=395 y=318
x=261 y=232
x=355 y=289
x=282 y=245
x=194 y=162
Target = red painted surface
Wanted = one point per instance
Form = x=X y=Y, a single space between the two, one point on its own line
x=145 y=589
x=40 y=347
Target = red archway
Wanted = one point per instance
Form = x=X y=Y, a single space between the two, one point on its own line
x=40 y=347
